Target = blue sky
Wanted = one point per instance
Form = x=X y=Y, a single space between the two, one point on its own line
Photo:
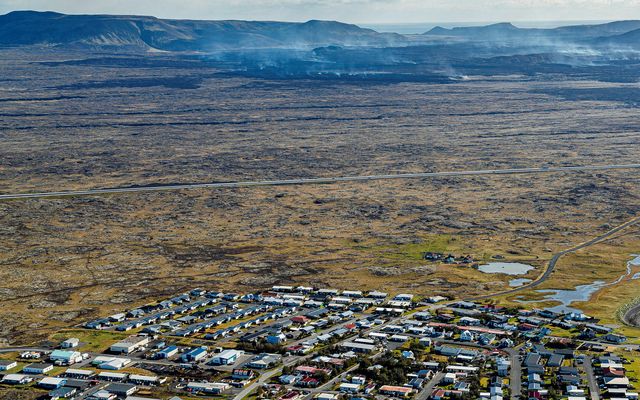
x=355 y=11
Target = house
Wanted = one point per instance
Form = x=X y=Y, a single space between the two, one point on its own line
x=6 y=365
x=167 y=352
x=532 y=359
x=300 y=319
x=462 y=368
x=70 y=343
x=486 y=339
x=16 y=379
x=118 y=317
x=358 y=347
x=613 y=338
x=277 y=338
x=436 y=299
x=359 y=380
x=289 y=379
x=465 y=387
x=399 y=338
x=502 y=366
x=377 y=295
x=121 y=389
x=195 y=355
x=227 y=357
x=129 y=345
x=466 y=336
x=112 y=376
x=469 y=321
x=326 y=396
x=110 y=363
x=291 y=395
x=102 y=395
x=145 y=380
x=242 y=374
x=62 y=357
x=416 y=383
x=573 y=390
x=208 y=387
x=555 y=360
x=616 y=382
x=346 y=387
x=264 y=361
x=308 y=382
x=408 y=354
x=37 y=369
x=449 y=378
x=51 y=383
x=63 y=393
x=79 y=373
x=396 y=391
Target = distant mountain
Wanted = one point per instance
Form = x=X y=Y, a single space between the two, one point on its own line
x=141 y=32
x=471 y=31
x=509 y=32
x=628 y=41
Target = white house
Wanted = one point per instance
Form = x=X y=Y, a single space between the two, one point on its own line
x=6 y=365
x=449 y=378
x=70 y=343
x=227 y=357
x=129 y=345
x=16 y=379
x=349 y=387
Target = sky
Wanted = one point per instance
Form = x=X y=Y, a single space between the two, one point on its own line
x=353 y=11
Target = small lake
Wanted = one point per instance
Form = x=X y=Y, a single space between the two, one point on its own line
x=518 y=282
x=567 y=297
x=580 y=293
x=505 y=268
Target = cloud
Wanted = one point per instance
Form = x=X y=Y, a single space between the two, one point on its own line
x=358 y=11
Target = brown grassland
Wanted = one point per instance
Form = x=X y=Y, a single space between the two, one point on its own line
x=66 y=260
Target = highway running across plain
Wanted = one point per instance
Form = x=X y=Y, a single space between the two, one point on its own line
x=317 y=180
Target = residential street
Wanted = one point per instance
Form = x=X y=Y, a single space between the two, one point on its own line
x=515 y=374
x=426 y=391
x=593 y=384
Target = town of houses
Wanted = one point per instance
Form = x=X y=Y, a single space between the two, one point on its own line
x=295 y=343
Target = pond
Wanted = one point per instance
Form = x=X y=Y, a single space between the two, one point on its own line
x=567 y=297
x=505 y=268
x=518 y=282
x=581 y=292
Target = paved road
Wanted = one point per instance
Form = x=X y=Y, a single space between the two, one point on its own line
x=320 y=180
x=23 y=349
x=556 y=257
x=328 y=386
x=428 y=389
x=515 y=374
x=262 y=380
x=593 y=384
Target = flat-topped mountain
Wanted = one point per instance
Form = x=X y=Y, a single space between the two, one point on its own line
x=54 y=29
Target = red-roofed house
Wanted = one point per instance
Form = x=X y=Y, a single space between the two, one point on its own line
x=300 y=319
x=397 y=391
